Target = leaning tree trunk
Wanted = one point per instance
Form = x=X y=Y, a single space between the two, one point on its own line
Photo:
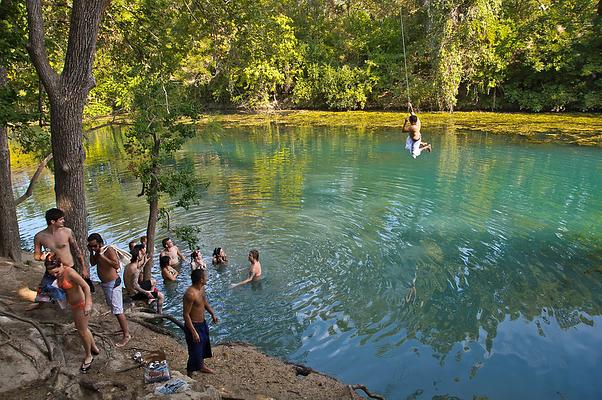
x=10 y=242
x=153 y=216
x=68 y=93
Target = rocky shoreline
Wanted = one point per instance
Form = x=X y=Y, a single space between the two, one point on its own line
x=40 y=355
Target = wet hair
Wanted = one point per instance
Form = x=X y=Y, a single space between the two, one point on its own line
x=164 y=242
x=194 y=254
x=52 y=261
x=97 y=237
x=136 y=252
x=54 y=214
x=216 y=251
x=197 y=275
x=413 y=119
x=255 y=254
x=131 y=245
x=164 y=261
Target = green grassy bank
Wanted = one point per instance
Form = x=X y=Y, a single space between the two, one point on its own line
x=581 y=129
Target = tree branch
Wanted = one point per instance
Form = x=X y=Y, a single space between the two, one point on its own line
x=35 y=45
x=47 y=159
x=143 y=189
x=149 y=316
x=34 y=179
x=83 y=30
x=35 y=325
x=113 y=122
x=368 y=393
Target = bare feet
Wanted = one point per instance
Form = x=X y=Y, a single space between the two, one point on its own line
x=123 y=341
x=206 y=370
x=95 y=351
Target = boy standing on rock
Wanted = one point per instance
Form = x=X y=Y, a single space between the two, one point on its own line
x=197 y=331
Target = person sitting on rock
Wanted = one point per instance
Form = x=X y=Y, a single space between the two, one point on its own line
x=141 y=290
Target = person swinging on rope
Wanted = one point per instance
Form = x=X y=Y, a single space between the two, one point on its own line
x=414 y=143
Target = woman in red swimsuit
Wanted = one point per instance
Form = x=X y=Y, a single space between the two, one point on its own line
x=80 y=299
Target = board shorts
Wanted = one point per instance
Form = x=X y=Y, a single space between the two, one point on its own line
x=198 y=351
x=113 y=295
x=413 y=146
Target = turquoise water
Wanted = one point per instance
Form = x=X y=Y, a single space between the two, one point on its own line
x=472 y=271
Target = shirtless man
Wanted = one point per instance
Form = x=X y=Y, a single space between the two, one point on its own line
x=107 y=267
x=143 y=290
x=197 y=331
x=172 y=251
x=254 y=269
x=57 y=239
x=414 y=142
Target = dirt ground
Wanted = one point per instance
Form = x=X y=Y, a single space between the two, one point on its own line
x=241 y=372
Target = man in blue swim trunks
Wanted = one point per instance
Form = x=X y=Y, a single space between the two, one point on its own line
x=197 y=331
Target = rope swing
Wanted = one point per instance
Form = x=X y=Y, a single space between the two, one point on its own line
x=405 y=63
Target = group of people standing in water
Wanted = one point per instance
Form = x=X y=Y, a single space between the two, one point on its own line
x=56 y=247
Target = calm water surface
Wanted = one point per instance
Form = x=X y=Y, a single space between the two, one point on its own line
x=471 y=272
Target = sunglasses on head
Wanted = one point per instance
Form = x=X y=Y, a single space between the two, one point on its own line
x=51 y=262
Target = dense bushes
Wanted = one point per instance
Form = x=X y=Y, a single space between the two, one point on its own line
x=472 y=54
x=335 y=88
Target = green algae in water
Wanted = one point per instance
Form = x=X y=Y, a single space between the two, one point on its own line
x=582 y=129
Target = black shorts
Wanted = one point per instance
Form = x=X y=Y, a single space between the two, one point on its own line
x=146 y=285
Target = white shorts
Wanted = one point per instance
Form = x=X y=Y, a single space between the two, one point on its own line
x=413 y=146
x=113 y=296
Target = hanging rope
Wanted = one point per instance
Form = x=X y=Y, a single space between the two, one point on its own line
x=405 y=63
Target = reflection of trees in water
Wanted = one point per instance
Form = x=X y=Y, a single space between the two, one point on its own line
x=453 y=302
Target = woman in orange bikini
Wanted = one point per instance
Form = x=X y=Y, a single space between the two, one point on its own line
x=80 y=299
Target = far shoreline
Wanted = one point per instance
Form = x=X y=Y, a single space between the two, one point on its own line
x=584 y=129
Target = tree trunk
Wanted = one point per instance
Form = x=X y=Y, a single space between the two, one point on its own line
x=10 y=241
x=68 y=153
x=153 y=215
x=68 y=93
x=34 y=179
